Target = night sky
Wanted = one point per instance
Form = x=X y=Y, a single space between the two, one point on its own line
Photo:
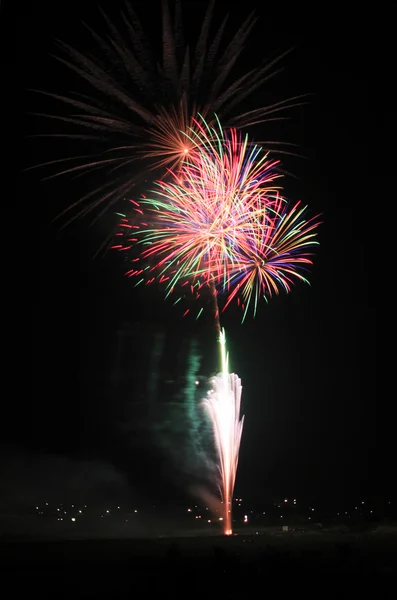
x=307 y=361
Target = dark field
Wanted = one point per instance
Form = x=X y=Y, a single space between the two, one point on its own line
x=311 y=563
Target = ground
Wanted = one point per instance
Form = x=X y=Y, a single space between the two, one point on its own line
x=198 y=566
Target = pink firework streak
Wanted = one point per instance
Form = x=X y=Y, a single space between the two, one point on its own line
x=223 y=407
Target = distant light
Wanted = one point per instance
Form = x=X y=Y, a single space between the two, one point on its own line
x=263 y=513
x=46 y=503
x=126 y=520
x=72 y=519
x=189 y=510
x=281 y=516
x=37 y=508
x=245 y=518
x=107 y=511
x=209 y=520
x=312 y=509
x=58 y=509
x=135 y=510
x=118 y=507
x=285 y=500
x=362 y=502
x=72 y=505
x=197 y=382
x=221 y=518
x=80 y=511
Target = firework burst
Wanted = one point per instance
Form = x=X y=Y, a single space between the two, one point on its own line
x=272 y=257
x=139 y=105
x=219 y=222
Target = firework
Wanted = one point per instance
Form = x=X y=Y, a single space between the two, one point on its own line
x=216 y=221
x=223 y=407
x=139 y=105
x=272 y=257
x=220 y=223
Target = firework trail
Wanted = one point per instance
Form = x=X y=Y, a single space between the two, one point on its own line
x=223 y=407
x=179 y=425
x=197 y=424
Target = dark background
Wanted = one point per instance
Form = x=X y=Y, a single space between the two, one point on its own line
x=307 y=361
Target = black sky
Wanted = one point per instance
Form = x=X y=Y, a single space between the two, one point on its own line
x=308 y=361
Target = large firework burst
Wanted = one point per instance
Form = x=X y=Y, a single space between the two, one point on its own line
x=141 y=104
x=220 y=222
